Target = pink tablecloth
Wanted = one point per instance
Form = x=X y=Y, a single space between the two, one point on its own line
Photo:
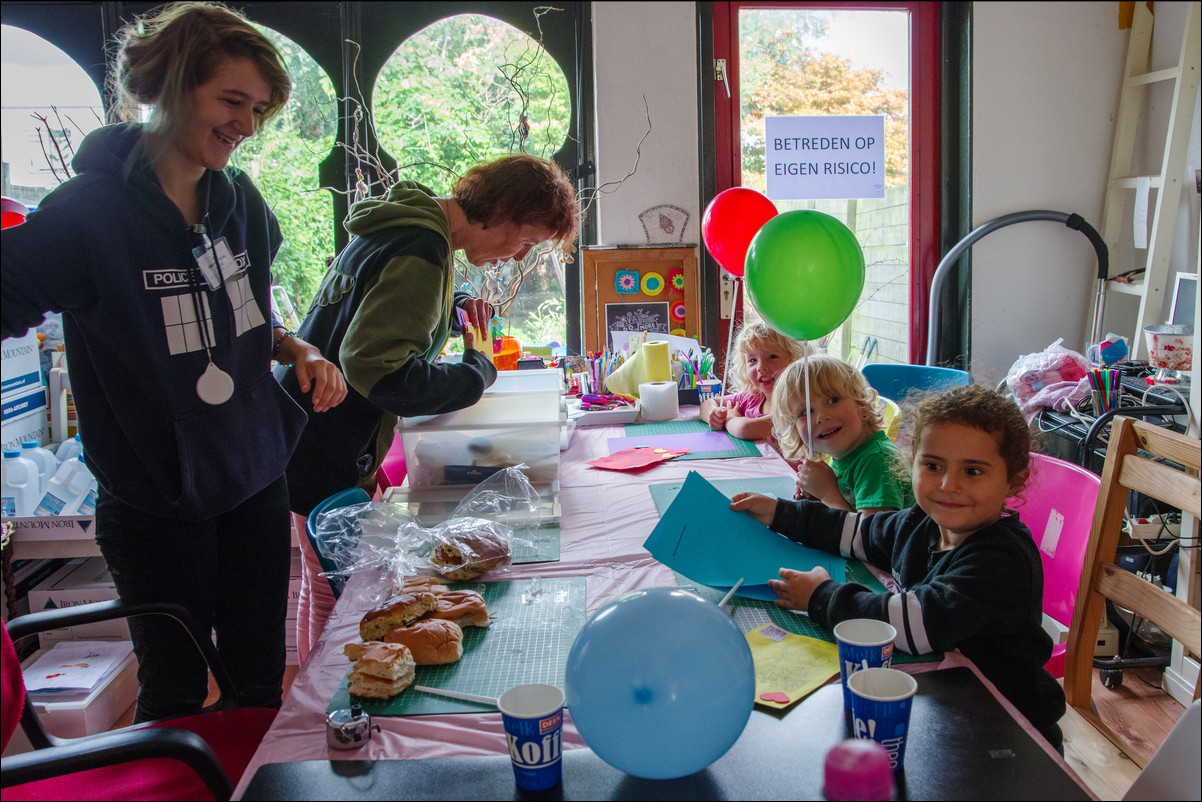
x=606 y=516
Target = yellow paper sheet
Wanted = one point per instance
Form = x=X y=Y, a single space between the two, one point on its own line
x=789 y=666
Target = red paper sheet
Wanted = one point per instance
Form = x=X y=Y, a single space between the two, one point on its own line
x=634 y=459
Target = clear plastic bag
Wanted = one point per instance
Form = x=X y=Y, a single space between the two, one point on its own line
x=1055 y=364
x=369 y=536
x=502 y=511
x=382 y=537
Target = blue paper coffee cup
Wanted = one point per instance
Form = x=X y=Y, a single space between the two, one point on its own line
x=533 y=719
x=881 y=702
x=708 y=388
x=863 y=643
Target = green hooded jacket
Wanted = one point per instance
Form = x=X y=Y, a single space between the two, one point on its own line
x=383 y=313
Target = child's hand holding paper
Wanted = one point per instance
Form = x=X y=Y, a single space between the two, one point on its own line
x=757 y=505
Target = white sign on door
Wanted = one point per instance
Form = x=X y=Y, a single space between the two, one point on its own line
x=825 y=157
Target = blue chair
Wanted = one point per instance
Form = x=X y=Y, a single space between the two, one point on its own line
x=343 y=498
x=895 y=382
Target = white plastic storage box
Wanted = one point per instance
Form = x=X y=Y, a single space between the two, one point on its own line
x=20 y=365
x=525 y=381
x=500 y=431
x=81 y=581
x=23 y=417
x=87 y=715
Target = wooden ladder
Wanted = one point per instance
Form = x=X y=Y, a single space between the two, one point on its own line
x=1121 y=185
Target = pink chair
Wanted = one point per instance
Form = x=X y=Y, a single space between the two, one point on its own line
x=392 y=467
x=1058 y=506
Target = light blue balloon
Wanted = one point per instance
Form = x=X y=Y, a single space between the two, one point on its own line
x=660 y=683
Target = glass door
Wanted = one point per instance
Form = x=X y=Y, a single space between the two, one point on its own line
x=801 y=61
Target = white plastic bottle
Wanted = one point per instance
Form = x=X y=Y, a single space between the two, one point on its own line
x=67 y=490
x=20 y=484
x=69 y=449
x=87 y=505
x=45 y=460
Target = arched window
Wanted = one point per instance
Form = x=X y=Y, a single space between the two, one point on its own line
x=471 y=88
x=49 y=104
x=283 y=161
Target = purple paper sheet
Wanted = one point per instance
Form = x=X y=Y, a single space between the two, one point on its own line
x=693 y=441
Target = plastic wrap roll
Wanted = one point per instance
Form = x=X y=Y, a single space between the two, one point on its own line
x=657 y=361
x=658 y=400
x=625 y=380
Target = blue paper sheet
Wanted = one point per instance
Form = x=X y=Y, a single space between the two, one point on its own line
x=700 y=537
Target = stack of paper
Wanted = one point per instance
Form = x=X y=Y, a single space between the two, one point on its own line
x=74 y=668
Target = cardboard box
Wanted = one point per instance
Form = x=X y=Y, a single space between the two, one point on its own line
x=81 y=581
x=53 y=527
x=20 y=365
x=23 y=417
x=97 y=712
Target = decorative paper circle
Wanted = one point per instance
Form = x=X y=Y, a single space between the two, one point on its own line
x=626 y=281
x=677 y=310
x=676 y=279
x=653 y=283
x=678 y=333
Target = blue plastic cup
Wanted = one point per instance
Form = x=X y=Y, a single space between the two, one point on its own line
x=863 y=643
x=533 y=719
x=707 y=389
x=881 y=702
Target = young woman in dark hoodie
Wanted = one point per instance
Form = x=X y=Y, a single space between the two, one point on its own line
x=182 y=424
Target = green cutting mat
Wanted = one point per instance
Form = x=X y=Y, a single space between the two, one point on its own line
x=780 y=486
x=534 y=623
x=743 y=448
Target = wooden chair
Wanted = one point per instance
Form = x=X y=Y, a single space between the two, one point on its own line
x=1134 y=461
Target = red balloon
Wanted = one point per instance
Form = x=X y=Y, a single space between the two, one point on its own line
x=12 y=213
x=730 y=222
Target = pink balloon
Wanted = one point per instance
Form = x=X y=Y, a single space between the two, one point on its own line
x=730 y=222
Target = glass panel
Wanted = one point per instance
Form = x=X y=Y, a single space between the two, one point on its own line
x=283 y=160
x=817 y=62
x=49 y=104
x=471 y=88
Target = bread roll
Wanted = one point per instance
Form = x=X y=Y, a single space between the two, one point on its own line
x=432 y=641
x=465 y=607
x=420 y=584
x=467 y=554
x=381 y=670
x=395 y=612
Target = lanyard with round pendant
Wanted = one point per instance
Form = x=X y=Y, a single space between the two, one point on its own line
x=214 y=386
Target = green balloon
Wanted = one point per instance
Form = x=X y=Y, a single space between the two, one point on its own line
x=805 y=272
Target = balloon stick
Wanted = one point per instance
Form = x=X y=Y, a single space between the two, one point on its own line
x=730 y=334
x=809 y=411
x=471 y=697
x=730 y=593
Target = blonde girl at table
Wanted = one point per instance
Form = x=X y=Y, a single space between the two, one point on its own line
x=759 y=356
x=841 y=417
x=966 y=571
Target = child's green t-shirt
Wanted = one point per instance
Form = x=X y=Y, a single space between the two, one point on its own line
x=874 y=475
